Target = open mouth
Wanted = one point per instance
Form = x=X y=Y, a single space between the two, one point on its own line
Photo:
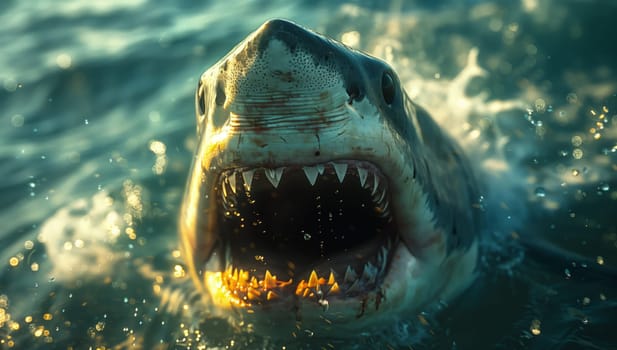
x=324 y=230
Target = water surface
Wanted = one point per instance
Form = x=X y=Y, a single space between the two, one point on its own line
x=96 y=103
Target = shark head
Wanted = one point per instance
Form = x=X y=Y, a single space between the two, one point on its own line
x=320 y=194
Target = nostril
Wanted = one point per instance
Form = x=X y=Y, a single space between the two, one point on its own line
x=220 y=94
x=201 y=99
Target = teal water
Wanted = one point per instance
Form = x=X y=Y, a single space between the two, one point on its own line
x=98 y=127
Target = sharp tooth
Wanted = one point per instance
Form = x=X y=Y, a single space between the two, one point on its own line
x=271 y=295
x=384 y=260
x=331 y=279
x=313 y=280
x=248 y=178
x=274 y=176
x=232 y=181
x=320 y=168
x=253 y=294
x=341 y=170
x=269 y=281
x=350 y=275
x=301 y=287
x=379 y=200
x=385 y=206
x=224 y=189
x=311 y=174
x=370 y=273
x=375 y=185
x=334 y=289
x=355 y=287
x=362 y=174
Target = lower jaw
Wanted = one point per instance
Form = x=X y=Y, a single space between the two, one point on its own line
x=293 y=316
x=235 y=287
x=294 y=306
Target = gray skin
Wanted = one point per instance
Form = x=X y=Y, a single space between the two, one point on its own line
x=287 y=99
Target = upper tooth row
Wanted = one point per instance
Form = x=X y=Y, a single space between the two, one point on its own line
x=311 y=173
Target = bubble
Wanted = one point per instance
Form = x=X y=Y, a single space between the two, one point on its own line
x=577 y=140
x=157 y=147
x=28 y=244
x=540 y=105
x=540 y=192
x=64 y=60
x=307 y=236
x=17 y=120
x=179 y=271
x=577 y=153
x=154 y=116
x=535 y=327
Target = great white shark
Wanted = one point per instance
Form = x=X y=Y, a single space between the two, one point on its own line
x=321 y=195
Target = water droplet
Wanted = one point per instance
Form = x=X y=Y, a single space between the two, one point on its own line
x=535 y=327
x=540 y=192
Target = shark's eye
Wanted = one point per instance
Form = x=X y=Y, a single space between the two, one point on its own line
x=387 y=88
x=201 y=98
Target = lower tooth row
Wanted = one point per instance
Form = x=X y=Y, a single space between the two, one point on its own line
x=250 y=289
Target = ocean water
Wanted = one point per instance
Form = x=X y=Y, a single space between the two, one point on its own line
x=98 y=130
